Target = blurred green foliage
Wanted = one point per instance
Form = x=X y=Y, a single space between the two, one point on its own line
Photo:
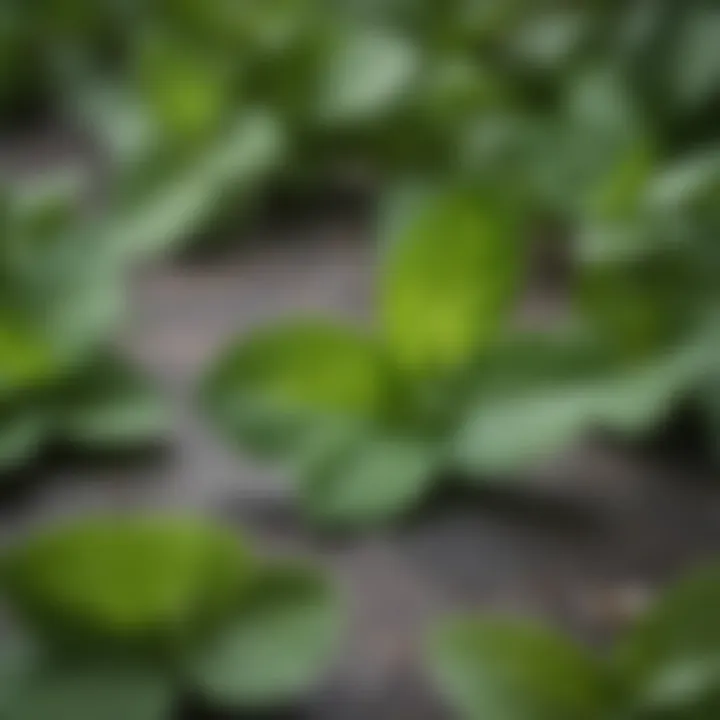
x=664 y=666
x=121 y=616
x=593 y=119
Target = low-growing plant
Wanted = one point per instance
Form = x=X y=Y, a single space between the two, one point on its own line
x=665 y=666
x=129 y=616
x=64 y=275
x=371 y=422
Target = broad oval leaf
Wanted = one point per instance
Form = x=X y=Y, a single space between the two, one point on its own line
x=448 y=283
x=126 y=579
x=285 y=382
x=504 y=670
x=280 y=642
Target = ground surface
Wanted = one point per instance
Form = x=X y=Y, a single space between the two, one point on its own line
x=579 y=544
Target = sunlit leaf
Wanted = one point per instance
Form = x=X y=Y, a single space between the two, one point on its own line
x=128 y=579
x=448 y=283
x=282 y=382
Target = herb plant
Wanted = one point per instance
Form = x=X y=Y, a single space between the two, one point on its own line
x=120 y=617
x=666 y=666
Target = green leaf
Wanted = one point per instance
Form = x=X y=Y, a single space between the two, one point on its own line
x=287 y=382
x=697 y=62
x=671 y=660
x=18 y=660
x=48 y=204
x=27 y=359
x=504 y=670
x=373 y=481
x=23 y=431
x=65 y=690
x=188 y=91
x=536 y=418
x=548 y=41
x=710 y=403
x=111 y=406
x=448 y=283
x=126 y=579
x=639 y=306
x=279 y=643
x=370 y=73
x=170 y=214
x=690 y=183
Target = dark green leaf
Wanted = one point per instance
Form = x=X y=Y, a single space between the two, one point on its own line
x=671 y=659
x=23 y=431
x=110 y=406
x=697 y=64
x=63 y=690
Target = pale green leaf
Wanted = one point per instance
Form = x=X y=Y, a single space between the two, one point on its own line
x=170 y=214
x=368 y=75
x=278 y=645
x=506 y=432
x=372 y=481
